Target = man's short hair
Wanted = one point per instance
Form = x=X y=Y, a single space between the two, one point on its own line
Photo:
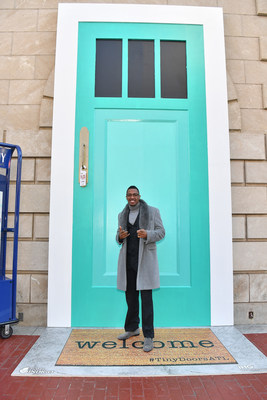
x=132 y=187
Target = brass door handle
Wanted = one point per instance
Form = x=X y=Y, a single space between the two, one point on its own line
x=83 y=157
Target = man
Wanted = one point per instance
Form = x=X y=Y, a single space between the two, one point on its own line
x=140 y=227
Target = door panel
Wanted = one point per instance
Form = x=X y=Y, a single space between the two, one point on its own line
x=158 y=144
x=135 y=144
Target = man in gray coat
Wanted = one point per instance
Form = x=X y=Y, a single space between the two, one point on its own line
x=140 y=227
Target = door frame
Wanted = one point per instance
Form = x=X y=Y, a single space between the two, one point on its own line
x=61 y=201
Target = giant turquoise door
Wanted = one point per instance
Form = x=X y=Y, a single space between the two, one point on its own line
x=141 y=95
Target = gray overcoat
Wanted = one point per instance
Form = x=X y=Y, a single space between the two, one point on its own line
x=148 y=267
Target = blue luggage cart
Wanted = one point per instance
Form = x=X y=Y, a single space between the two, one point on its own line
x=8 y=286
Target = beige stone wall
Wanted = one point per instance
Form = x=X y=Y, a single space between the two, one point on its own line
x=246 y=47
x=27 y=55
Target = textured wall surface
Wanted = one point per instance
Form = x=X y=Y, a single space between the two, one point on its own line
x=27 y=57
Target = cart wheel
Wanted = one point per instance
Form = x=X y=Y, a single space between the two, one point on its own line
x=6 y=333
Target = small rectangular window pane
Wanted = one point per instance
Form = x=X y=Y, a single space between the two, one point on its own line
x=141 y=75
x=108 y=69
x=173 y=69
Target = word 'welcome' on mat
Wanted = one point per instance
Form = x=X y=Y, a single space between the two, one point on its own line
x=100 y=347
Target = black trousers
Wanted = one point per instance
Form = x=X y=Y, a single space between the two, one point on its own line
x=132 y=298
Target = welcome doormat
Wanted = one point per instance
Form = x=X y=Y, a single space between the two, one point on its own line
x=100 y=347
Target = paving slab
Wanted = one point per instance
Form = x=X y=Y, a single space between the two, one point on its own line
x=41 y=359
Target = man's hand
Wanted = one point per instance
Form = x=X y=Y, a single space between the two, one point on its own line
x=141 y=233
x=123 y=234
